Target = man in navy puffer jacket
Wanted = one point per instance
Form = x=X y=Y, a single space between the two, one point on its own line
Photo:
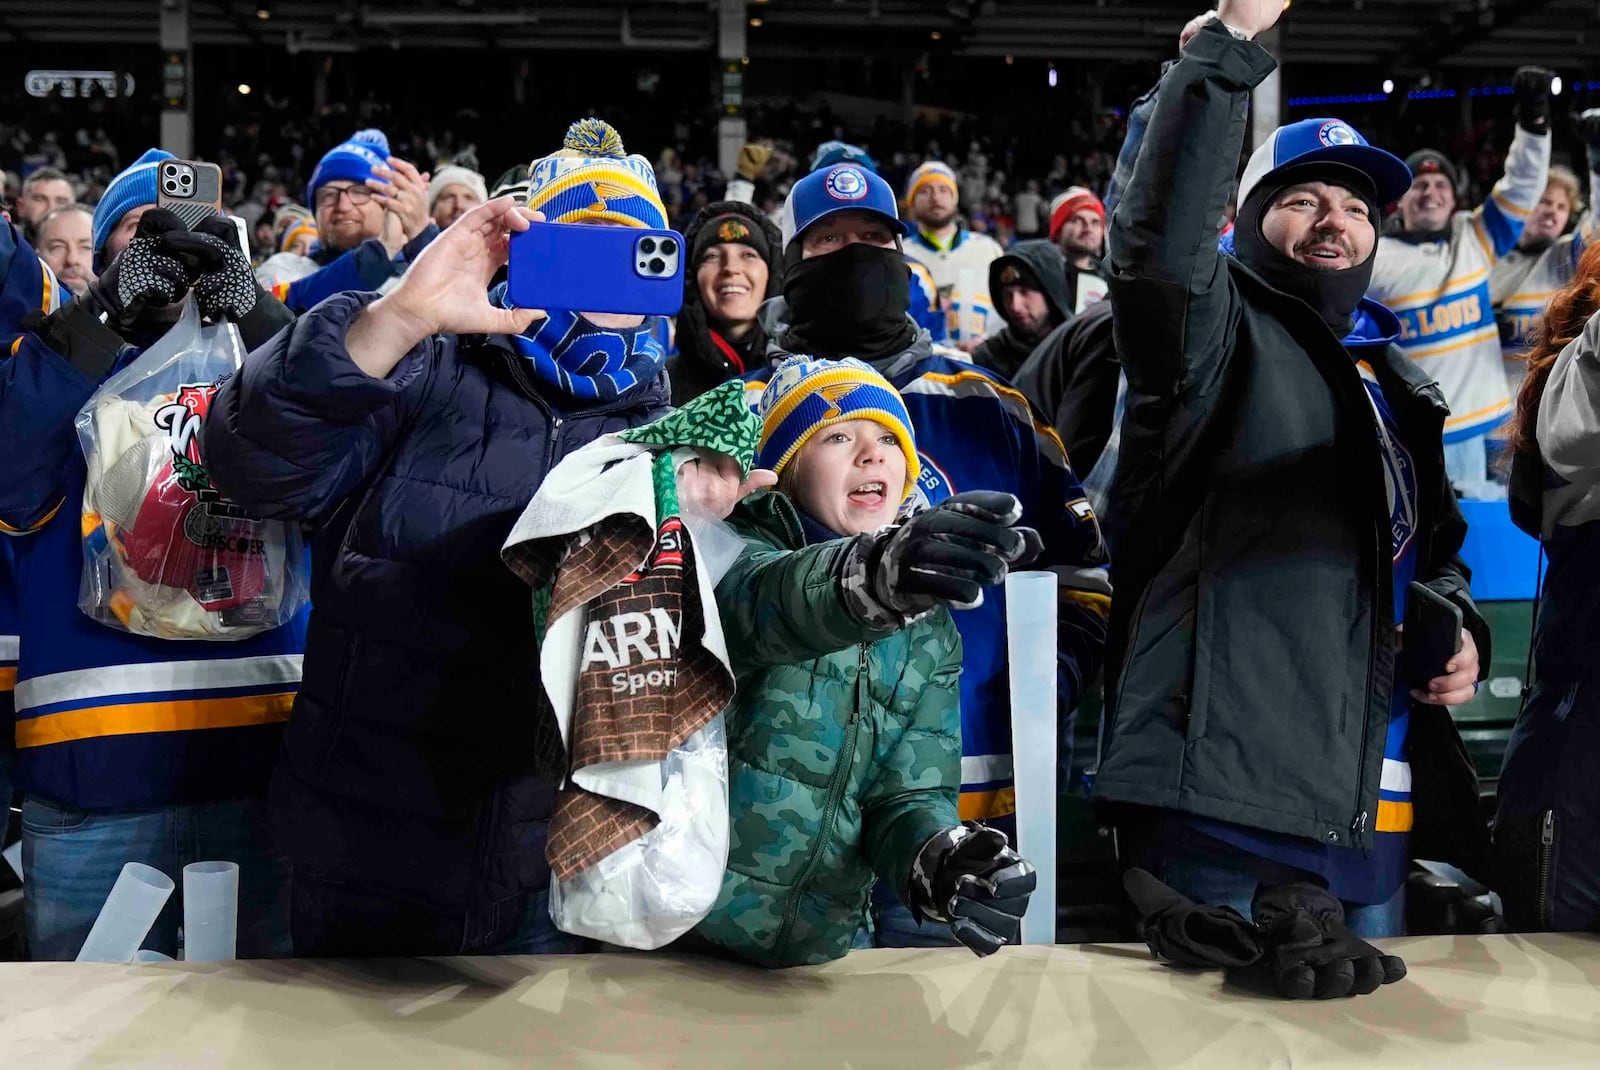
x=412 y=429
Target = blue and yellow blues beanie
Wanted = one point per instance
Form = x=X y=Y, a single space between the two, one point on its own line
x=352 y=161
x=807 y=394
x=930 y=172
x=129 y=190
x=591 y=178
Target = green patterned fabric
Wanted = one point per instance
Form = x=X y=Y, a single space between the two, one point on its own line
x=717 y=420
x=664 y=481
x=844 y=747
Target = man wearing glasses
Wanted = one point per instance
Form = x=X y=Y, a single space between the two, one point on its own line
x=372 y=220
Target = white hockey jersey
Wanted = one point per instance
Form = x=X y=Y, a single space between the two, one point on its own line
x=1521 y=284
x=1440 y=290
x=961 y=271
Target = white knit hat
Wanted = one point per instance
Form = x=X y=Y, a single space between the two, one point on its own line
x=451 y=175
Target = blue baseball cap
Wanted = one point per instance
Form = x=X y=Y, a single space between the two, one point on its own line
x=1326 y=141
x=844 y=187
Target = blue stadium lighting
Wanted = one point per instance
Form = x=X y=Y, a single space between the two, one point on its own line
x=1339 y=98
x=1429 y=94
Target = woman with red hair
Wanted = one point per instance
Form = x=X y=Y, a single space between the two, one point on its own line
x=1549 y=819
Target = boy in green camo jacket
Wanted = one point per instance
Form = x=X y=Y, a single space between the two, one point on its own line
x=844 y=735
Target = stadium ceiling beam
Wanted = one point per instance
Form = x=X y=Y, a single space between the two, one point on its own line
x=1429 y=47
x=247 y=27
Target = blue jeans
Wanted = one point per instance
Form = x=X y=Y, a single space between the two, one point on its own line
x=72 y=858
x=337 y=919
x=6 y=759
x=1228 y=876
x=894 y=925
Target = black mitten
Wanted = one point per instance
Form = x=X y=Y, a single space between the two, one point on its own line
x=1531 y=86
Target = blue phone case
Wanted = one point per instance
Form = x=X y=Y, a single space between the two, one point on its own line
x=581 y=268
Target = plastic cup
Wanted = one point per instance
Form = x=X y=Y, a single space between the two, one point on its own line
x=210 y=911
x=132 y=907
x=1031 y=652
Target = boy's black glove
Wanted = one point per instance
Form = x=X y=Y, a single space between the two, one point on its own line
x=145 y=274
x=1531 y=86
x=1310 y=953
x=1186 y=933
x=946 y=554
x=970 y=877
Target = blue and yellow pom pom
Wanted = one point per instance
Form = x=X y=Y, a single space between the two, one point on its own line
x=594 y=137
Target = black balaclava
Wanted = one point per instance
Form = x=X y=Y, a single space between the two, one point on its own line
x=853 y=302
x=1333 y=295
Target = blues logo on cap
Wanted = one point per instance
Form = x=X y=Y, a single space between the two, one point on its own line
x=1326 y=140
x=845 y=184
x=841 y=188
x=1338 y=133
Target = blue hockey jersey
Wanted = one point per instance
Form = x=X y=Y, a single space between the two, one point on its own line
x=105 y=719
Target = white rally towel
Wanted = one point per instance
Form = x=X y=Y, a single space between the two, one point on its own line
x=595 y=526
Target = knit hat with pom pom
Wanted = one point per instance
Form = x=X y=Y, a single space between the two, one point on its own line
x=591 y=178
x=352 y=161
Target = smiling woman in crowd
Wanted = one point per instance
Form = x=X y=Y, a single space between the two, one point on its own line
x=730 y=271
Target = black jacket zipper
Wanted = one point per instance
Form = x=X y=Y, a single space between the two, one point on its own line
x=1547 y=843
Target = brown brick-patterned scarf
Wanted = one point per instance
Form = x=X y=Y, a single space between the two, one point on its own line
x=646 y=683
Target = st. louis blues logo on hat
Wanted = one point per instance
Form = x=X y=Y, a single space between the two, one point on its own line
x=842 y=188
x=846 y=184
x=1337 y=133
x=1326 y=140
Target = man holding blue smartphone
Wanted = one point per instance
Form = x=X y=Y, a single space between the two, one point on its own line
x=414 y=428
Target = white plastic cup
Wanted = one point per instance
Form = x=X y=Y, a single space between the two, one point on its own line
x=1031 y=654
x=149 y=955
x=132 y=907
x=210 y=911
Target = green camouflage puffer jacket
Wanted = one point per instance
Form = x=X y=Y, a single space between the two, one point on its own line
x=844 y=747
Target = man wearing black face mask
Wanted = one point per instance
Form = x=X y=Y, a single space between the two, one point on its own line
x=1280 y=484
x=846 y=292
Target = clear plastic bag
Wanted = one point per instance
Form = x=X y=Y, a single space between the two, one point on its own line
x=653 y=890
x=164 y=554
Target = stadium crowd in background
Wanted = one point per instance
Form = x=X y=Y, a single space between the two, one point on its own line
x=1232 y=416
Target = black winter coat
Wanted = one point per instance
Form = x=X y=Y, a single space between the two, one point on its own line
x=1072 y=378
x=1252 y=655
x=408 y=762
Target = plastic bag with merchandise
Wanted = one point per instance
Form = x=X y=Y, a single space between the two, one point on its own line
x=164 y=553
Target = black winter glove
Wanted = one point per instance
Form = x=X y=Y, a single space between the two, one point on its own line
x=1187 y=933
x=1589 y=130
x=75 y=332
x=144 y=275
x=1532 y=88
x=225 y=287
x=1310 y=953
x=946 y=554
x=970 y=877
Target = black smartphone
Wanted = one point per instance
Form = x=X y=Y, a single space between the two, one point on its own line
x=190 y=189
x=1432 y=635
